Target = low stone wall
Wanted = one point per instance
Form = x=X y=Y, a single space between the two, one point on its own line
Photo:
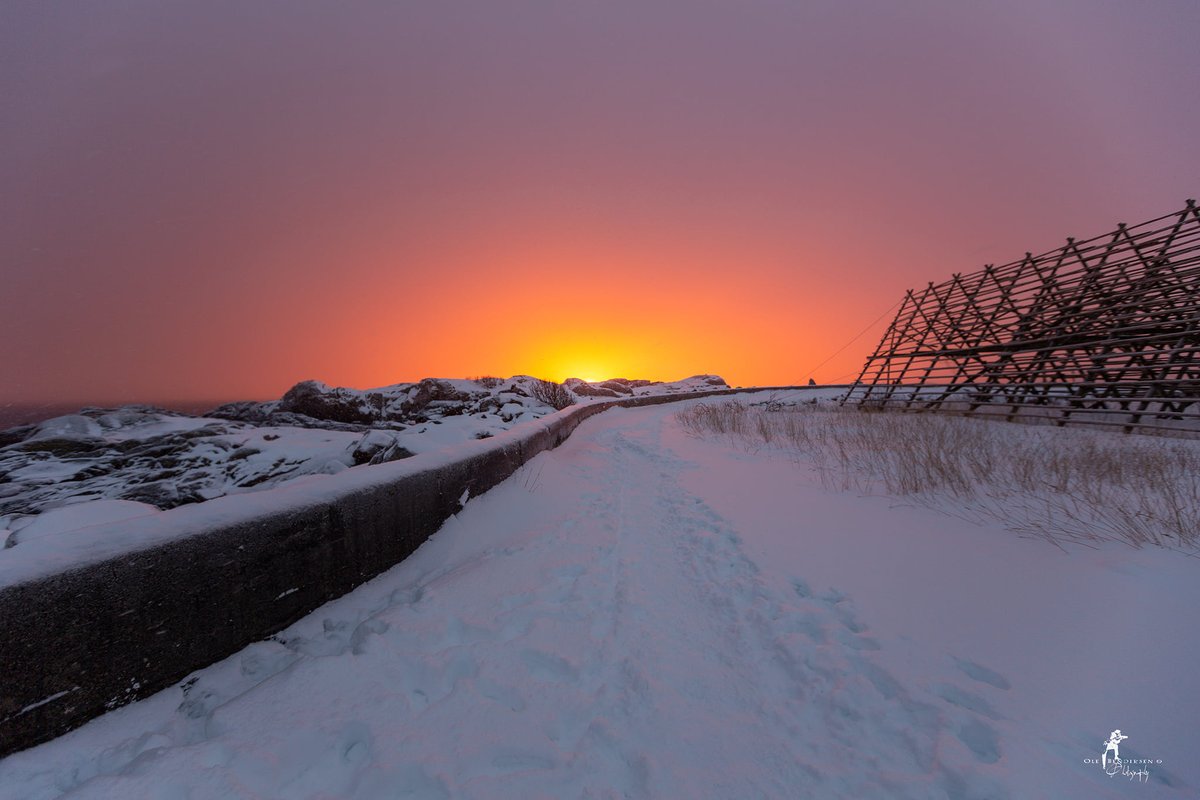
x=77 y=643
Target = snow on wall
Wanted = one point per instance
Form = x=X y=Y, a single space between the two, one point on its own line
x=115 y=612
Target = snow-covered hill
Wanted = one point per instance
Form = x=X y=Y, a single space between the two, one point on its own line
x=102 y=465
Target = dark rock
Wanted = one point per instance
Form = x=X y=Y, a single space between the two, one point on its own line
x=290 y=420
x=164 y=494
x=17 y=434
x=371 y=445
x=378 y=447
x=393 y=453
x=94 y=471
x=431 y=390
x=316 y=400
x=61 y=446
x=618 y=385
x=244 y=411
x=587 y=390
x=200 y=433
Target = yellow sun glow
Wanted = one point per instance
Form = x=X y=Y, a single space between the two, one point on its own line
x=586 y=356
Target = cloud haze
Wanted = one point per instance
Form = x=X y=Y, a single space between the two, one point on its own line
x=214 y=200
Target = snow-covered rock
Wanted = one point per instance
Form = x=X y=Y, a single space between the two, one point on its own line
x=162 y=459
x=71 y=426
x=378 y=447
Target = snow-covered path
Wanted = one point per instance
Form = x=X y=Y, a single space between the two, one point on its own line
x=639 y=614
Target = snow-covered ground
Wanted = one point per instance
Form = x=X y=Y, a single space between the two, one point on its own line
x=643 y=614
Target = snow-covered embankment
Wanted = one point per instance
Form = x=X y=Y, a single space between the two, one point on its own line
x=103 y=615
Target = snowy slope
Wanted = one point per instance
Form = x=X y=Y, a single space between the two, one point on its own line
x=642 y=614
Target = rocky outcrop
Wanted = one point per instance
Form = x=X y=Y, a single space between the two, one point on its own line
x=318 y=401
x=163 y=459
x=166 y=459
x=378 y=447
x=588 y=390
x=312 y=404
x=432 y=391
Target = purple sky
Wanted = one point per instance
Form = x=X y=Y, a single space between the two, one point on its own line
x=214 y=200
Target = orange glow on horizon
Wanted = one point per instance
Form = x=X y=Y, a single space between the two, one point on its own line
x=612 y=314
x=374 y=195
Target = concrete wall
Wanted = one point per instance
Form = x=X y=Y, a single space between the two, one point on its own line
x=78 y=643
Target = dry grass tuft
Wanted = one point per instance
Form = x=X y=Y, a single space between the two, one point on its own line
x=552 y=394
x=1060 y=484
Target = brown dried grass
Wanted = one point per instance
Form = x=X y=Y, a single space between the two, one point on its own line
x=1064 y=485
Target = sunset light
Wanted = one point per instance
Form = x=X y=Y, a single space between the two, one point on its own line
x=469 y=399
x=394 y=193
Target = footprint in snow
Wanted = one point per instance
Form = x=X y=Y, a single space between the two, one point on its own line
x=980 y=738
x=958 y=696
x=978 y=672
